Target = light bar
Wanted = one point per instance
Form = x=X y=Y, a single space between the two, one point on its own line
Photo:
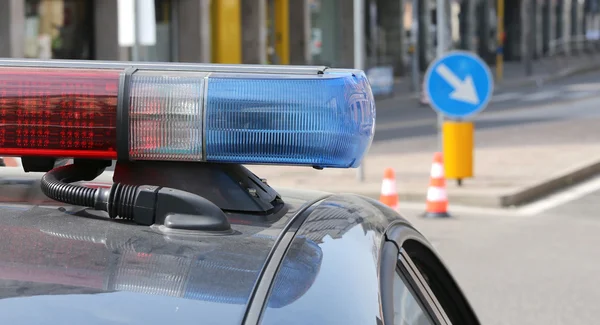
x=204 y=113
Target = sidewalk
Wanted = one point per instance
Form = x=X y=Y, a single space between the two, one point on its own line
x=544 y=70
x=513 y=165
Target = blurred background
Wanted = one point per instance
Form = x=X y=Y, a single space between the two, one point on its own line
x=522 y=235
x=319 y=32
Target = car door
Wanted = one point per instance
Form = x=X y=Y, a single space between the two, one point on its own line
x=416 y=287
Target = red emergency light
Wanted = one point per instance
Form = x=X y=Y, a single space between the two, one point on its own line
x=58 y=112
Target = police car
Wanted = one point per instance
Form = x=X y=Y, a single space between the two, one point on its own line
x=180 y=232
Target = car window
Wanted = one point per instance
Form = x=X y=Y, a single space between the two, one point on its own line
x=438 y=283
x=407 y=309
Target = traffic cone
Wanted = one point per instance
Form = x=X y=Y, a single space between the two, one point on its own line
x=10 y=162
x=437 y=198
x=389 y=196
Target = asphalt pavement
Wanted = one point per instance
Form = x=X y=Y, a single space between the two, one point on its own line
x=405 y=117
x=534 y=265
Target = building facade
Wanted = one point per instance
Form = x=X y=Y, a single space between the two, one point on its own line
x=295 y=31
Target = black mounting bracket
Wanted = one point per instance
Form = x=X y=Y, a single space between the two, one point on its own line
x=46 y=164
x=231 y=187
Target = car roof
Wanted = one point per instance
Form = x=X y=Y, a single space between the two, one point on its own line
x=80 y=255
x=69 y=263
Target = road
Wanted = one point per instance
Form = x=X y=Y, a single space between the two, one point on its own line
x=404 y=118
x=535 y=265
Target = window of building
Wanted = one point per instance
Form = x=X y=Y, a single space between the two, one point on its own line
x=58 y=29
x=162 y=51
x=325 y=28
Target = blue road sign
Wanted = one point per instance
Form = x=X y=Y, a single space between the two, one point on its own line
x=459 y=84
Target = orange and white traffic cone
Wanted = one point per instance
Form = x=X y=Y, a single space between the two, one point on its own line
x=10 y=162
x=389 y=196
x=437 y=198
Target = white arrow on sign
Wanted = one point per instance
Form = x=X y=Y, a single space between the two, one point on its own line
x=464 y=90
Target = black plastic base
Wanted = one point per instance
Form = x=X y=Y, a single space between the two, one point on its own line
x=46 y=164
x=231 y=187
x=436 y=215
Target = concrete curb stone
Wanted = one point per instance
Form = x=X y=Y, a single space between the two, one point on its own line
x=519 y=197
x=551 y=185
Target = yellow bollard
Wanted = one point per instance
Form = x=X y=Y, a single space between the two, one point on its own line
x=458 y=149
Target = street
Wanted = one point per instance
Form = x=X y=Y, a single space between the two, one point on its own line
x=405 y=118
x=535 y=264
x=525 y=268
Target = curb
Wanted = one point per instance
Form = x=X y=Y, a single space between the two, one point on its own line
x=483 y=201
x=520 y=197
x=555 y=184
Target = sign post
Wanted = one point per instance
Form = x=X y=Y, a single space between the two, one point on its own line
x=500 y=37
x=441 y=48
x=359 y=59
x=459 y=85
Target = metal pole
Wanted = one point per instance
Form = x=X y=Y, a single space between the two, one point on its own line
x=527 y=22
x=359 y=47
x=414 y=37
x=135 y=51
x=441 y=48
x=471 y=19
x=441 y=26
x=500 y=38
